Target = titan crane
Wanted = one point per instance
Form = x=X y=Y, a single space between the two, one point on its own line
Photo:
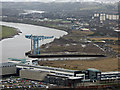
x=35 y=42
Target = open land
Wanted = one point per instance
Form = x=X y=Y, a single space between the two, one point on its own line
x=103 y=64
x=74 y=42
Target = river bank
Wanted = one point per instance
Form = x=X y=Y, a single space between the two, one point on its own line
x=72 y=42
x=8 y=32
x=75 y=41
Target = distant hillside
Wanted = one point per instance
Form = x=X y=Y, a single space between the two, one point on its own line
x=58 y=10
x=108 y=1
x=69 y=6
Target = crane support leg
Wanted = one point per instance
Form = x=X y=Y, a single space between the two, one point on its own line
x=37 y=47
x=31 y=44
x=34 y=46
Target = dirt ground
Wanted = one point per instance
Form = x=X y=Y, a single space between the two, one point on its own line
x=103 y=64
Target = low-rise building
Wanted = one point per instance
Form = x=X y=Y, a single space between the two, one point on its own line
x=65 y=77
x=7 y=68
x=63 y=80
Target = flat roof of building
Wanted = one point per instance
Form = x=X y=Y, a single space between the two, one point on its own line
x=46 y=68
x=69 y=77
x=93 y=69
x=114 y=72
x=6 y=64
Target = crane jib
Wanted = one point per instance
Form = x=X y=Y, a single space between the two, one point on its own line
x=38 y=37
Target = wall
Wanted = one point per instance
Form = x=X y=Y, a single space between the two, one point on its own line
x=33 y=75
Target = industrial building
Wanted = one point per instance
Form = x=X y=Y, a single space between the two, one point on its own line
x=7 y=68
x=60 y=78
x=65 y=77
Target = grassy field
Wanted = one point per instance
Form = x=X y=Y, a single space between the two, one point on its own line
x=103 y=64
x=7 y=32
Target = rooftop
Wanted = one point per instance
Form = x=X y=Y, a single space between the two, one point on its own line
x=6 y=64
x=113 y=72
x=93 y=69
x=64 y=76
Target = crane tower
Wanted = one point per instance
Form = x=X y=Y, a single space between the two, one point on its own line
x=35 y=42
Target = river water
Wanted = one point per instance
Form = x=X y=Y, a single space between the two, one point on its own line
x=17 y=46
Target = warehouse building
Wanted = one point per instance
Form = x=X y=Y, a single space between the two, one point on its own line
x=7 y=68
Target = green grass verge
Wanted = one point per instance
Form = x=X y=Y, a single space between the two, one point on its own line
x=7 y=32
